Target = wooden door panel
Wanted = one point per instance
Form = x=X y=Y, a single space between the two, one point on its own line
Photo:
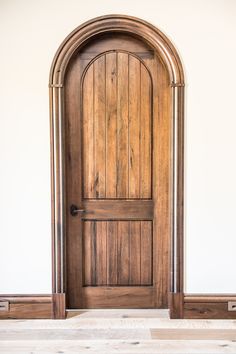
x=122 y=126
x=117 y=209
x=117 y=160
x=116 y=97
x=113 y=253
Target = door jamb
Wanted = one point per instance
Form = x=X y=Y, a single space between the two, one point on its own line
x=170 y=57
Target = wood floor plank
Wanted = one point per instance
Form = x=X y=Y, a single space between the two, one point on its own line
x=75 y=334
x=112 y=322
x=194 y=334
x=116 y=346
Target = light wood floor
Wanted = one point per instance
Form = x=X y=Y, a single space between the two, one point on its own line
x=118 y=331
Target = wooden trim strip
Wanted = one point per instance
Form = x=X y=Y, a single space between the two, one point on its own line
x=210 y=298
x=27 y=307
x=209 y=306
x=34 y=299
x=59 y=306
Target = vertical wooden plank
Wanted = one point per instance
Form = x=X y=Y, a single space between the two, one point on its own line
x=99 y=126
x=145 y=141
x=101 y=256
x=87 y=253
x=111 y=122
x=88 y=136
x=111 y=253
x=134 y=127
x=123 y=253
x=73 y=142
x=93 y=233
x=122 y=125
x=146 y=253
x=135 y=253
x=162 y=179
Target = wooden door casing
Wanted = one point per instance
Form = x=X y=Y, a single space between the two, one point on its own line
x=170 y=116
x=117 y=109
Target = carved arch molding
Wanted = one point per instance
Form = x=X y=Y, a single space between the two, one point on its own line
x=165 y=49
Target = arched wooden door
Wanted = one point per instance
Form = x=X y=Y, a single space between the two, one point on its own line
x=117 y=109
x=116 y=90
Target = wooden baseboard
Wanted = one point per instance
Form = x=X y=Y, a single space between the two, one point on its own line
x=26 y=307
x=187 y=306
x=176 y=304
x=213 y=306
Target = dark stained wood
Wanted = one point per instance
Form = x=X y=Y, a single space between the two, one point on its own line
x=88 y=239
x=73 y=249
x=122 y=133
x=146 y=260
x=117 y=209
x=111 y=124
x=204 y=306
x=33 y=299
x=101 y=254
x=114 y=255
x=66 y=72
x=134 y=127
x=135 y=253
x=161 y=187
x=99 y=118
x=208 y=310
x=27 y=307
x=118 y=297
x=176 y=303
x=118 y=181
x=146 y=133
x=209 y=298
x=123 y=252
x=111 y=237
x=88 y=134
x=117 y=128
x=59 y=306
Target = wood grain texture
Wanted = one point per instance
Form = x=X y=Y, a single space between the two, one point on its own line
x=59 y=306
x=27 y=307
x=121 y=195
x=117 y=209
x=124 y=297
x=208 y=310
x=117 y=128
x=194 y=334
x=176 y=303
x=114 y=255
x=206 y=306
x=64 y=154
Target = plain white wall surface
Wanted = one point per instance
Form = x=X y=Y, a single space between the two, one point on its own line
x=203 y=32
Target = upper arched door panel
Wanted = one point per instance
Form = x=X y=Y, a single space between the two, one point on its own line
x=117 y=115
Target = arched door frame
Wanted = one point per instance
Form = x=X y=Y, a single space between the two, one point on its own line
x=166 y=50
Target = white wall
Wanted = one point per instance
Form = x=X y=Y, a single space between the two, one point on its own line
x=204 y=33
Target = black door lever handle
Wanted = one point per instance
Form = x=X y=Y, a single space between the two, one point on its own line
x=74 y=210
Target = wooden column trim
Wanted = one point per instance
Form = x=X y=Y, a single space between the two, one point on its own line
x=59 y=306
x=176 y=305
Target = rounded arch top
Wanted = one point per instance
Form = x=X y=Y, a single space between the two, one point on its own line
x=120 y=23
